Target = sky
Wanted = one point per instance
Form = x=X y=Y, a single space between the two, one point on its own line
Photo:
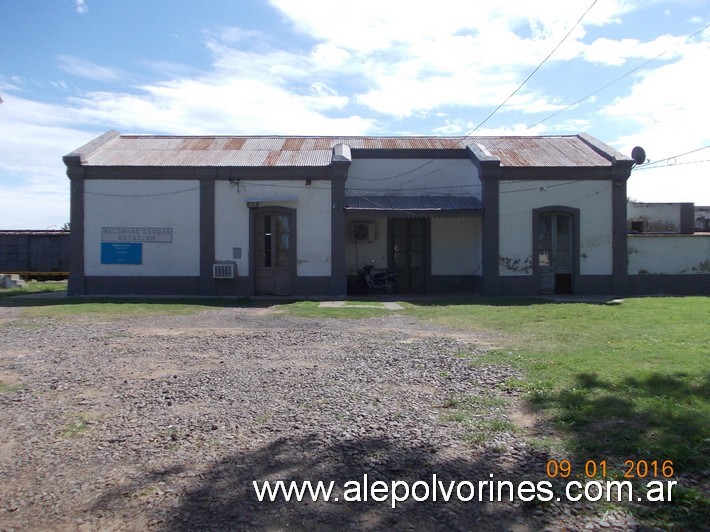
x=629 y=72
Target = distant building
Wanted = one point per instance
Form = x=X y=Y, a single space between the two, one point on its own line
x=660 y=217
x=702 y=219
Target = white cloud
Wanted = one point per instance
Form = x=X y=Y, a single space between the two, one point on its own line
x=89 y=70
x=34 y=189
x=670 y=115
x=416 y=58
x=81 y=7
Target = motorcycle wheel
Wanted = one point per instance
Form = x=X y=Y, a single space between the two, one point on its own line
x=391 y=287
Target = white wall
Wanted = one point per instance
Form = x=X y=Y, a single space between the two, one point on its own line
x=413 y=177
x=359 y=254
x=313 y=220
x=592 y=198
x=456 y=246
x=144 y=203
x=668 y=254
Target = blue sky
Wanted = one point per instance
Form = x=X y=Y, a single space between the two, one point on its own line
x=73 y=69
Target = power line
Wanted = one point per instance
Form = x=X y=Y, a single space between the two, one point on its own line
x=668 y=165
x=614 y=81
x=649 y=166
x=467 y=135
x=536 y=69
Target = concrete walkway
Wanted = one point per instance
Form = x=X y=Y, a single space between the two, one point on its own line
x=389 y=305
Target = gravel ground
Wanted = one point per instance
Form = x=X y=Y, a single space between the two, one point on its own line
x=163 y=424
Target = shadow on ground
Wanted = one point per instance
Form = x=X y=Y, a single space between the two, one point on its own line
x=638 y=425
x=224 y=497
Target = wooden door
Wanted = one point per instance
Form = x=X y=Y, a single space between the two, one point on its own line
x=275 y=253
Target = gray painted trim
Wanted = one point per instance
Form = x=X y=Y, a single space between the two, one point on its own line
x=76 y=157
x=687 y=218
x=76 y=284
x=518 y=285
x=489 y=172
x=606 y=151
x=527 y=285
x=338 y=276
x=422 y=153
x=453 y=284
x=561 y=173
x=490 y=228
x=268 y=173
x=620 y=258
x=480 y=156
x=575 y=213
x=588 y=285
x=680 y=284
x=313 y=286
x=342 y=154
x=207 y=235
x=141 y=286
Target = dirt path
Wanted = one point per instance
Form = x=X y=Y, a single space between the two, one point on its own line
x=163 y=423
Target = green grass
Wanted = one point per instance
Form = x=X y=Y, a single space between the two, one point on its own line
x=7 y=388
x=310 y=309
x=34 y=287
x=116 y=308
x=78 y=424
x=625 y=382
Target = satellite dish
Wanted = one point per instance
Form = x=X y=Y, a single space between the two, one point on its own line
x=638 y=154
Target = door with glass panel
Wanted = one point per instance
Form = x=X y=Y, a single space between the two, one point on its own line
x=554 y=253
x=275 y=253
x=409 y=253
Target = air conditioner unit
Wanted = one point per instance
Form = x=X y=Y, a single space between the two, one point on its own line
x=363 y=232
x=224 y=270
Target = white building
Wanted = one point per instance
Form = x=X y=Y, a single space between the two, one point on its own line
x=223 y=215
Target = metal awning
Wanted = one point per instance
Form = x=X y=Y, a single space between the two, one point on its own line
x=408 y=206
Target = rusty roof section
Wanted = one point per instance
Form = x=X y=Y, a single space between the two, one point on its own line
x=113 y=149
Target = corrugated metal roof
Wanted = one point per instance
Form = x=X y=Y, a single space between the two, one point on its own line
x=257 y=151
x=413 y=205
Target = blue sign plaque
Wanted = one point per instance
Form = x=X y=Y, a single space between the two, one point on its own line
x=128 y=253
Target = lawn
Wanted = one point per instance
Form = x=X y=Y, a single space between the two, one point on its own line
x=34 y=287
x=617 y=382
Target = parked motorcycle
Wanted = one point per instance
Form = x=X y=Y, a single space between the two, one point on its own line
x=380 y=280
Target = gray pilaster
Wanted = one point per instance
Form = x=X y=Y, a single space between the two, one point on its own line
x=619 y=282
x=207 y=232
x=489 y=172
x=77 y=285
x=340 y=165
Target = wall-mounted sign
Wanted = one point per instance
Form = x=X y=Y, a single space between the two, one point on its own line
x=114 y=253
x=137 y=234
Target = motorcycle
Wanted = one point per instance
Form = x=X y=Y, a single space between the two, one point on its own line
x=381 y=280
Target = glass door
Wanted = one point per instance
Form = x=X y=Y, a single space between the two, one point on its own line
x=554 y=253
